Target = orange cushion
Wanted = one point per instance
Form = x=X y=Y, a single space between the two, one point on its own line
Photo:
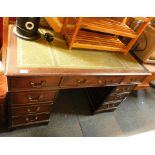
x=3 y=83
x=3 y=86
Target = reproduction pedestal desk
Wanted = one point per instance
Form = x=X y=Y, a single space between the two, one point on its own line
x=37 y=70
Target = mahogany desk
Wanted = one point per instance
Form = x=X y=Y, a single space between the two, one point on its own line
x=37 y=70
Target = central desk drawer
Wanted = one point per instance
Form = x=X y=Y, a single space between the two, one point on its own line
x=33 y=83
x=30 y=119
x=26 y=98
x=82 y=81
x=26 y=110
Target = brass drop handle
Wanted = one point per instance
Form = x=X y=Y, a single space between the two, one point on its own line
x=118 y=95
x=38 y=108
x=38 y=84
x=128 y=88
x=100 y=81
x=34 y=99
x=117 y=89
x=28 y=120
x=81 y=81
x=30 y=111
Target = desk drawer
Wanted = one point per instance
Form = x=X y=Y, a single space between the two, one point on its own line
x=33 y=83
x=107 y=106
x=123 y=88
x=27 y=110
x=80 y=81
x=29 y=119
x=27 y=98
x=110 y=80
x=133 y=79
x=110 y=105
x=115 y=97
x=104 y=110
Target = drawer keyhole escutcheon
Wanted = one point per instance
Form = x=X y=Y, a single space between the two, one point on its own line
x=36 y=110
x=83 y=81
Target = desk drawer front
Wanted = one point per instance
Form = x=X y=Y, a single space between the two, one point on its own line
x=115 y=97
x=110 y=105
x=133 y=79
x=121 y=89
x=107 y=106
x=104 y=110
x=33 y=83
x=78 y=81
x=89 y=81
x=110 y=80
x=27 y=98
x=27 y=110
x=31 y=119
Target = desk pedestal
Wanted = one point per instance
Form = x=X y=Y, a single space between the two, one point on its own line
x=107 y=99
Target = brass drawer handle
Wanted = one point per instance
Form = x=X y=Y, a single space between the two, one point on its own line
x=28 y=120
x=81 y=81
x=30 y=111
x=35 y=99
x=100 y=81
x=118 y=89
x=39 y=84
x=125 y=89
x=115 y=94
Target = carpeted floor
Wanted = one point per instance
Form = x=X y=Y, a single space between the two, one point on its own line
x=71 y=118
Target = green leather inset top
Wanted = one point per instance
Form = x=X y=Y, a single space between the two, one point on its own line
x=41 y=54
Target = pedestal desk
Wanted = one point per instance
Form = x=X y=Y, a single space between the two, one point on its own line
x=37 y=70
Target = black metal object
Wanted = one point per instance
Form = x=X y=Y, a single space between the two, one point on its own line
x=27 y=28
x=48 y=37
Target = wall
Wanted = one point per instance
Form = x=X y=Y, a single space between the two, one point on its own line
x=12 y=19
